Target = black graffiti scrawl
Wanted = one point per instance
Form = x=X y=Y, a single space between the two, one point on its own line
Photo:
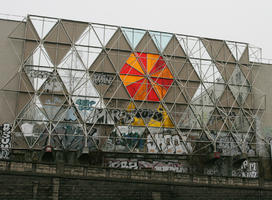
x=5 y=141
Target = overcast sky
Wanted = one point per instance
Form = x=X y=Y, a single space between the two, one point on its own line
x=239 y=20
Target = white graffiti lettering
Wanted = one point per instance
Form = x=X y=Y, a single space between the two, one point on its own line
x=5 y=142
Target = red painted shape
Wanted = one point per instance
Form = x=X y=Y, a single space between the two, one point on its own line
x=152 y=96
x=127 y=69
x=142 y=58
x=133 y=88
x=166 y=83
x=160 y=64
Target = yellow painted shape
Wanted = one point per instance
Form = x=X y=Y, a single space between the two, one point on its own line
x=133 y=62
x=128 y=79
x=165 y=73
x=151 y=60
x=166 y=121
x=142 y=92
x=137 y=121
x=131 y=107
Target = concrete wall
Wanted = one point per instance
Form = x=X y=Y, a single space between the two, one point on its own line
x=262 y=90
x=263 y=86
x=10 y=60
x=21 y=180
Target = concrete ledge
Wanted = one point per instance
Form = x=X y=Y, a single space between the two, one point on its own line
x=147 y=176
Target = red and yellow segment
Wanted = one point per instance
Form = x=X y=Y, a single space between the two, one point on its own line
x=146 y=76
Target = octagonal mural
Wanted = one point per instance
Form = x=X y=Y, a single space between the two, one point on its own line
x=146 y=76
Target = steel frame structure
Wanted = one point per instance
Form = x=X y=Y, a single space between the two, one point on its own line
x=73 y=94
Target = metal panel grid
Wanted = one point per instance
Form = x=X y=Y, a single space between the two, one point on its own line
x=122 y=89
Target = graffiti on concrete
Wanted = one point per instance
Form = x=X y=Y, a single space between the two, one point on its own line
x=127 y=139
x=227 y=146
x=5 y=141
x=247 y=170
x=39 y=74
x=163 y=166
x=85 y=104
x=70 y=136
x=123 y=117
x=102 y=78
x=166 y=143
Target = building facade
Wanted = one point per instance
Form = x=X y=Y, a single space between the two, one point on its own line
x=70 y=86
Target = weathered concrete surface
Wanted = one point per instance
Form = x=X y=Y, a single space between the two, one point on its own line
x=21 y=180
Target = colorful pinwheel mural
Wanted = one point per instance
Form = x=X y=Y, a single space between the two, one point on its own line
x=146 y=76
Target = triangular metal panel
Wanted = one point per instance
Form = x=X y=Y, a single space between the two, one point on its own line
x=23 y=100
x=51 y=104
x=203 y=114
x=118 y=59
x=244 y=59
x=72 y=61
x=58 y=35
x=206 y=70
x=18 y=141
x=56 y=52
x=173 y=48
x=89 y=38
x=43 y=25
x=174 y=94
x=189 y=88
x=248 y=73
x=160 y=39
x=193 y=47
x=189 y=120
x=19 y=82
x=218 y=50
x=237 y=49
x=102 y=64
x=53 y=85
x=176 y=111
x=19 y=31
x=203 y=94
x=74 y=29
x=217 y=122
x=182 y=69
x=116 y=90
x=227 y=99
x=29 y=48
x=88 y=55
x=133 y=36
x=249 y=102
x=104 y=33
x=39 y=57
x=118 y=41
x=147 y=45
x=32 y=131
x=33 y=111
x=226 y=70
x=31 y=33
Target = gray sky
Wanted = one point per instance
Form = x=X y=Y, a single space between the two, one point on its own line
x=239 y=20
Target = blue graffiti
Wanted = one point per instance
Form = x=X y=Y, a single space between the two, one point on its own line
x=84 y=104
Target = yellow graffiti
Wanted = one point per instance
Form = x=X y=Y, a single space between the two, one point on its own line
x=165 y=122
x=137 y=121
